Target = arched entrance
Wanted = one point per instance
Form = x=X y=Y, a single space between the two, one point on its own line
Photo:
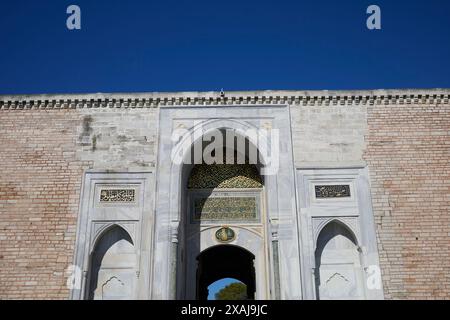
x=273 y=238
x=225 y=261
x=226 y=195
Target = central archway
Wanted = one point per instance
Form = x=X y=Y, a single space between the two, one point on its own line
x=225 y=261
x=227 y=194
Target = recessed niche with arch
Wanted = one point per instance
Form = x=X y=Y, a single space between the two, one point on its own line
x=112 y=266
x=338 y=272
x=229 y=193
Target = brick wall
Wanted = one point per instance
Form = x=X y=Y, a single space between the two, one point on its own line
x=40 y=181
x=408 y=153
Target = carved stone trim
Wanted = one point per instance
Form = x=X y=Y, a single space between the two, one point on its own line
x=117 y=195
x=232 y=206
x=332 y=191
x=154 y=100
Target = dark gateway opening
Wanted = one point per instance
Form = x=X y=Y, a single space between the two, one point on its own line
x=225 y=261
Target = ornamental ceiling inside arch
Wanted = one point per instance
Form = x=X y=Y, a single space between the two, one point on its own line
x=223 y=176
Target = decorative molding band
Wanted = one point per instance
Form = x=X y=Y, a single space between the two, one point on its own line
x=303 y=98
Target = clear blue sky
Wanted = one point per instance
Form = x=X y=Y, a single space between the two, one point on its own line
x=219 y=285
x=132 y=46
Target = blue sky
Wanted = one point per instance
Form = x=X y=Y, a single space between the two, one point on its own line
x=216 y=286
x=135 y=46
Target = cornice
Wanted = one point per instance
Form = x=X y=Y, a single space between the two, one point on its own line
x=155 y=100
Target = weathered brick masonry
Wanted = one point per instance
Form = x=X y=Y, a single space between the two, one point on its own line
x=408 y=153
x=43 y=157
x=39 y=194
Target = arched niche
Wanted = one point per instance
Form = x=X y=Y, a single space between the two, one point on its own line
x=338 y=272
x=228 y=193
x=112 y=266
x=180 y=129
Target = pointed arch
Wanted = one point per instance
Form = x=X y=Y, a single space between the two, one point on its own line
x=104 y=229
x=340 y=221
x=113 y=257
x=195 y=134
x=337 y=263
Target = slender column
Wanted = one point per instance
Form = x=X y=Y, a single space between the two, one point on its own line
x=173 y=260
x=276 y=260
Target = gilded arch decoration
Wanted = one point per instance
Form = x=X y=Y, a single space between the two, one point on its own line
x=222 y=176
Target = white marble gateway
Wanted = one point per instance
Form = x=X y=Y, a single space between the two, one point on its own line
x=305 y=231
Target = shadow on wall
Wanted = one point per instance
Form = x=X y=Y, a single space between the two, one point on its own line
x=112 y=266
x=337 y=272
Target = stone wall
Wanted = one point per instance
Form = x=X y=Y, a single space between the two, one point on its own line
x=407 y=150
x=330 y=136
x=45 y=151
x=119 y=139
